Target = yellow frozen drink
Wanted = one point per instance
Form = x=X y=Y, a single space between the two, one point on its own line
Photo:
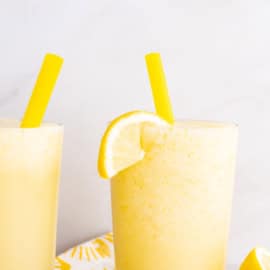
x=29 y=178
x=171 y=208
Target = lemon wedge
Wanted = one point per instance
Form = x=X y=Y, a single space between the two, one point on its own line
x=257 y=259
x=121 y=145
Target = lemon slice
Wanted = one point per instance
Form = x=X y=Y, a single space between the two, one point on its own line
x=121 y=145
x=257 y=259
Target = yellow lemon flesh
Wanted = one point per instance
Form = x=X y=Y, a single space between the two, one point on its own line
x=257 y=259
x=123 y=145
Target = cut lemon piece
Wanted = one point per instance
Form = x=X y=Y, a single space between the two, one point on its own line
x=121 y=145
x=257 y=259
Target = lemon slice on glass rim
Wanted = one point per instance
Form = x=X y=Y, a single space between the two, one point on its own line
x=121 y=144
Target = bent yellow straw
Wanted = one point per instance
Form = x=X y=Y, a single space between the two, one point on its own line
x=42 y=91
x=159 y=87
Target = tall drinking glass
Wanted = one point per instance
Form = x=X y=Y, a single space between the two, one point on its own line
x=172 y=209
x=29 y=178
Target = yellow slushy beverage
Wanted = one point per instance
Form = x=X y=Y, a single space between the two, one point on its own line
x=29 y=178
x=171 y=210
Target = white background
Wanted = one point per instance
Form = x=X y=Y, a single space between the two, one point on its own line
x=217 y=59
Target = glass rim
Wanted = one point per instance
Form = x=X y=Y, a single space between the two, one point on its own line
x=12 y=123
x=202 y=123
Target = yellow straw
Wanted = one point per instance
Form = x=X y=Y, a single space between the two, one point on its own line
x=42 y=91
x=159 y=87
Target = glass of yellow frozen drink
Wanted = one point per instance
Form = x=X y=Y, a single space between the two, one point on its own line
x=29 y=178
x=171 y=185
x=171 y=205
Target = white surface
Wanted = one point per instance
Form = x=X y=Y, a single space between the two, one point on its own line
x=217 y=60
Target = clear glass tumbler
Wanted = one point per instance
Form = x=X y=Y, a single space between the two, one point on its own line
x=171 y=210
x=29 y=178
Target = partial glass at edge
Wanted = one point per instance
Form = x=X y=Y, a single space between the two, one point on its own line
x=29 y=178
